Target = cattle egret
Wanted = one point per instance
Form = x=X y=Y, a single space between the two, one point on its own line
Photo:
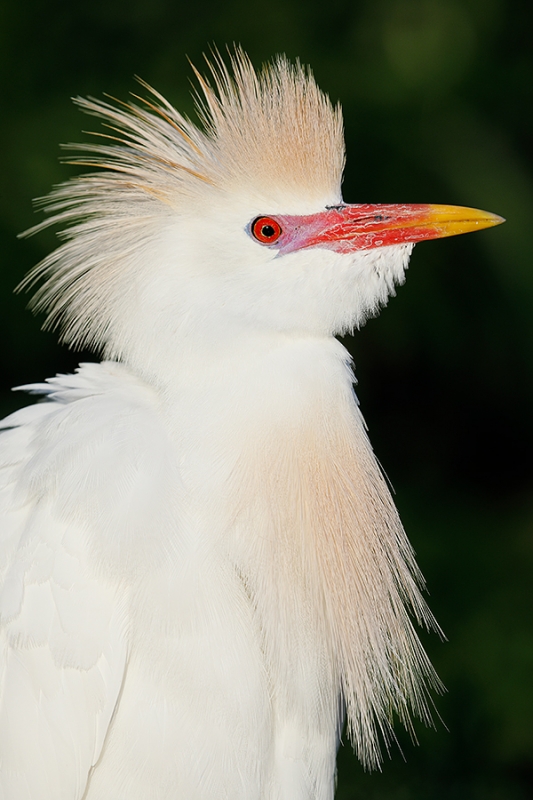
x=203 y=571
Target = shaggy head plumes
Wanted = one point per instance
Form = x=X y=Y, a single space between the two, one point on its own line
x=271 y=139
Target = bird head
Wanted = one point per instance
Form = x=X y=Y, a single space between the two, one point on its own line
x=235 y=226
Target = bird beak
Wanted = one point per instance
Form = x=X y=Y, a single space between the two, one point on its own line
x=346 y=228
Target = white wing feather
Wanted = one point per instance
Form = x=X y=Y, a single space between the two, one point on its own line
x=77 y=478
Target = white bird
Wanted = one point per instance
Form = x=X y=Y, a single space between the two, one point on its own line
x=202 y=569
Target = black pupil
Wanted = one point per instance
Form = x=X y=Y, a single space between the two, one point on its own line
x=267 y=231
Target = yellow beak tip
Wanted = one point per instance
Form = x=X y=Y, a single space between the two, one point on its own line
x=451 y=220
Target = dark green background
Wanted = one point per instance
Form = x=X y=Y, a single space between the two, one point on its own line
x=437 y=96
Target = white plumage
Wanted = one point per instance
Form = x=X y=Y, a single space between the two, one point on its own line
x=201 y=563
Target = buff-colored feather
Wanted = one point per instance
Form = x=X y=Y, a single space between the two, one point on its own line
x=273 y=137
x=336 y=547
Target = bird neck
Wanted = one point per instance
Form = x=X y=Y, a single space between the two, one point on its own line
x=254 y=368
x=222 y=395
x=279 y=481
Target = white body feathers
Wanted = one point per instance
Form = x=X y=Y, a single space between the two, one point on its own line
x=201 y=561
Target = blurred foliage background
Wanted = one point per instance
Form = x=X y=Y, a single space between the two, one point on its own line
x=437 y=97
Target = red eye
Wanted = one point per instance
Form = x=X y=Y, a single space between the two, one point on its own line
x=266 y=230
